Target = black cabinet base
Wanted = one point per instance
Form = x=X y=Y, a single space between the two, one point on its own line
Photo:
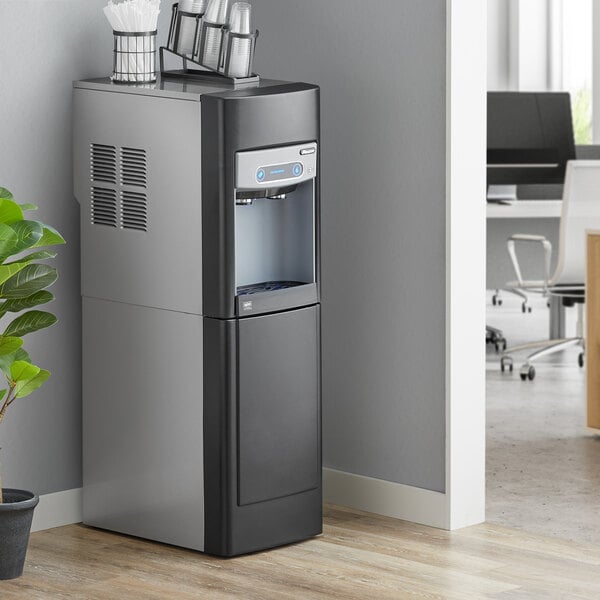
x=269 y=524
x=262 y=431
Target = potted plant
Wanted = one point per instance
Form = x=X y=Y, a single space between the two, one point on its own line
x=23 y=283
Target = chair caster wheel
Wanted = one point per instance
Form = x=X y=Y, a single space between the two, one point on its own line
x=500 y=344
x=506 y=362
x=527 y=372
x=580 y=360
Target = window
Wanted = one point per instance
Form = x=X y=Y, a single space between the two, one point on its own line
x=576 y=64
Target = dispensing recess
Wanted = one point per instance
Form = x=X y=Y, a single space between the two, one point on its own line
x=275 y=243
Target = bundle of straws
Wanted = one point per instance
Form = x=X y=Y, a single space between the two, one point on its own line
x=133 y=15
x=134 y=53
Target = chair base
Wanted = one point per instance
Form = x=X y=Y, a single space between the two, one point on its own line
x=496 y=337
x=497 y=298
x=527 y=370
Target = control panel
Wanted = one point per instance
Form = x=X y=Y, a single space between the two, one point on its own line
x=276 y=166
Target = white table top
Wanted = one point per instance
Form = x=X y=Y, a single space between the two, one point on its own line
x=525 y=209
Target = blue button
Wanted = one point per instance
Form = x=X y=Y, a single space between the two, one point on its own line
x=260 y=175
x=297 y=170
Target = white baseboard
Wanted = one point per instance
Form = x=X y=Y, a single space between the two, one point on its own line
x=58 y=509
x=385 y=498
x=346 y=489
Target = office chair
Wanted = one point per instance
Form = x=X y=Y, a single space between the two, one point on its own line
x=580 y=212
x=496 y=337
x=546 y=191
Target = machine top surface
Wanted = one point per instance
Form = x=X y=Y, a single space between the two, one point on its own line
x=187 y=89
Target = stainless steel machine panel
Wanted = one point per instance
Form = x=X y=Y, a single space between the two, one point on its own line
x=137 y=178
x=143 y=465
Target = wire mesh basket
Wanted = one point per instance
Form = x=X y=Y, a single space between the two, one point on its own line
x=134 y=57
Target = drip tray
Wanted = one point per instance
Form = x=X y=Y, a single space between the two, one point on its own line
x=273 y=296
x=267 y=286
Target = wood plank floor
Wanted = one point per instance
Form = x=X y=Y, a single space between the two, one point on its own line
x=359 y=556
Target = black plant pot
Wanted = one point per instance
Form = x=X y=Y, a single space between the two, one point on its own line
x=15 y=524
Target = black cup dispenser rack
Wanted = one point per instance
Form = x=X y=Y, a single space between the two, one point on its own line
x=233 y=51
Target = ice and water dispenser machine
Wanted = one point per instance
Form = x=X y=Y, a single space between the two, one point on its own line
x=201 y=321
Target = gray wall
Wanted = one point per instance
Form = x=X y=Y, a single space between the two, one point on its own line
x=43 y=47
x=383 y=80
x=382 y=71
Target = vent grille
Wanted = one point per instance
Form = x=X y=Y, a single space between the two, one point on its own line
x=104 y=206
x=103 y=163
x=134 y=211
x=133 y=167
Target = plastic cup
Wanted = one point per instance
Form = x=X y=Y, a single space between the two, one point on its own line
x=240 y=18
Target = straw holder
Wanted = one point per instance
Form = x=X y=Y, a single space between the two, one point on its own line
x=134 y=57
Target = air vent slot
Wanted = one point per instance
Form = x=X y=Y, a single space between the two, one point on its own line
x=103 y=163
x=134 y=211
x=104 y=206
x=134 y=169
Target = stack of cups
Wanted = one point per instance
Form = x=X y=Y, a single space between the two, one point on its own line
x=212 y=34
x=187 y=25
x=237 y=51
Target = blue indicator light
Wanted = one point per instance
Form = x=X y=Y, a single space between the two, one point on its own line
x=260 y=174
x=277 y=171
x=297 y=170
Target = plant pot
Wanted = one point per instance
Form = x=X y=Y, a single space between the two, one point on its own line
x=15 y=524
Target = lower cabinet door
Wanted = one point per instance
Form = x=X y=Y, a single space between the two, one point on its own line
x=278 y=405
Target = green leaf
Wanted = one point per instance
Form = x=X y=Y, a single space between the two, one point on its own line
x=19 y=304
x=8 y=240
x=40 y=255
x=29 y=280
x=28 y=206
x=31 y=321
x=21 y=370
x=25 y=388
x=18 y=236
x=2 y=394
x=4 y=193
x=8 y=344
x=27 y=377
x=7 y=360
x=9 y=269
x=50 y=237
x=28 y=232
x=10 y=211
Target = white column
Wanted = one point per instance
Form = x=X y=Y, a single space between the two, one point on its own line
x=596 y=73
x=529 y=40
x=555 y=46
x=465 y=268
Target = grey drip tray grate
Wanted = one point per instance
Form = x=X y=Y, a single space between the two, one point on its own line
x=267 y=286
